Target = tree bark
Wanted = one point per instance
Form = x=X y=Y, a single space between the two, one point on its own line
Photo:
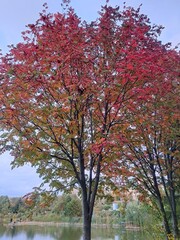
x=160 y=201
x=166 y=223
x=174 y=215
x=87 y=216
x=86 y=227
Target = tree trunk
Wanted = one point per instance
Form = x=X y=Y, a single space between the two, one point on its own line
x=87 y=216
x=86 y=227
x=175 y=226
x=166 y=223
x=170 y=195
x=160 y=201
x=174 y=215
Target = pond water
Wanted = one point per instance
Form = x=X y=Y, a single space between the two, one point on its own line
x=68 y=233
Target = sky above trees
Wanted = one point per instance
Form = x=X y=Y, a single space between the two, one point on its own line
x=13 y=18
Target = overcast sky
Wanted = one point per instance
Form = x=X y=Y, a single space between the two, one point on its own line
x=16 y=14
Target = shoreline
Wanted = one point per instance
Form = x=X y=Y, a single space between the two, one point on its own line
x=33 y=223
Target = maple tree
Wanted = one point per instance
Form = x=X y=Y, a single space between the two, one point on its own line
x=67 y=93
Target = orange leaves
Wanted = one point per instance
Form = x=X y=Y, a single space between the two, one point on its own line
x=29 y=201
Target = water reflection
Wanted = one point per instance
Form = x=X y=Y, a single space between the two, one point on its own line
x=67 y=233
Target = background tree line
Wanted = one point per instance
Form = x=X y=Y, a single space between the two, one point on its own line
x=24 y=209
x=67 y=208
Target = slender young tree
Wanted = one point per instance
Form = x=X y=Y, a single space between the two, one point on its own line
x=66 y=93
x=150 y=149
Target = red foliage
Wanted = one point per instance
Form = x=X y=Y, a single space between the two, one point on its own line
x=71 y=90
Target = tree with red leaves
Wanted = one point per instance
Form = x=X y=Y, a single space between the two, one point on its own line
x=150 y=149
x=67 y=93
